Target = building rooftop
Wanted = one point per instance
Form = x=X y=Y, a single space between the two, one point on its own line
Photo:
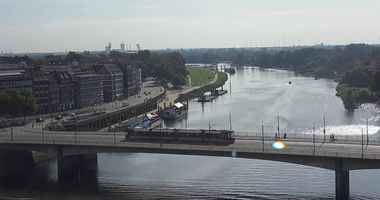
x=12 y=72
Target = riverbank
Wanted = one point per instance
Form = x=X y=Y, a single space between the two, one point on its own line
x=220 y=79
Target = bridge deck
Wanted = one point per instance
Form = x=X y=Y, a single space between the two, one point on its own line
x=300 y=145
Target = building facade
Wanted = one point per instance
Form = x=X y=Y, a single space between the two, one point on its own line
x=16 y=79
x=131 y=79
x=65 y=88
x=88 y=90
x=45 y=91
x=112 y=82
x=134 y=82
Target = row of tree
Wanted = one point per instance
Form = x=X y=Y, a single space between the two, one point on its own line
x=168 y=66
x=361 y=84
x=17 y=102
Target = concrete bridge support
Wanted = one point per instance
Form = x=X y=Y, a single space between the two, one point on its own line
x=14 y=161
x=342 y=181
x=76 y=168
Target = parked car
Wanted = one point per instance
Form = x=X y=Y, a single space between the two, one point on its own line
x=58 y=117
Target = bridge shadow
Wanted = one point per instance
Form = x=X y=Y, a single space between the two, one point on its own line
x=43 y=178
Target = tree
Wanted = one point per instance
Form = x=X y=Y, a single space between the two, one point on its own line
x=17 y=102
x=348 y=100
x=71 y=57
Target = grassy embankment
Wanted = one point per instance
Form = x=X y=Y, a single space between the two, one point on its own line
x=200 y=76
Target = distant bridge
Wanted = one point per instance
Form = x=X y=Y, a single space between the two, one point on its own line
x=76 y=152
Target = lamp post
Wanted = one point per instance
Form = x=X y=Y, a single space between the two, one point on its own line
x=362 y=144
x=42 y=131
x=367 y=133
x=313 y=140
x=114 y=135
x=324 y=129
x=11 y=133
x=75 y=130
x=262 y=134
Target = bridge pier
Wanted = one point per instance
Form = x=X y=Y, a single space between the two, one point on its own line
x=77 y=168
x=14 y=161
x=342 y=181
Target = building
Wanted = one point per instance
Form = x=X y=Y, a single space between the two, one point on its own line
x=134 y=80
x=45 y=91
x=14 y=63
x=50 y=68
x=65 y=87
x=108 y=48
x=122 y=47
x=131 y=79
x=112 y=82
x=16 y=79
x=88 y=89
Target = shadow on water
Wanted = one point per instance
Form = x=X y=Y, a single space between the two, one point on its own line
x=41 y=183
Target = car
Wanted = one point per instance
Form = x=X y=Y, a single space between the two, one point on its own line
x=58 y=117
x=39 y=119
x=73 y=114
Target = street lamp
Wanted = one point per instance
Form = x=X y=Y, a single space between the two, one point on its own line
x=114 y=135
x=75 y=132
x=262 y=134
x=313 y=140
x=362 y=144
x=11 y=133
x=42 y=131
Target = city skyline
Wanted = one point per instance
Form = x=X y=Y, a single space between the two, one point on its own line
x=78 y=25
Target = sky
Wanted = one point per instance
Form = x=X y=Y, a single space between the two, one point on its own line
x=76 y=25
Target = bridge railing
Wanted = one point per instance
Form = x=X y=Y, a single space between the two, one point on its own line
x=345 y=139
x=230 y=150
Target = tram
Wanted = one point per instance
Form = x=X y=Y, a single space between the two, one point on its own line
x=180 y=135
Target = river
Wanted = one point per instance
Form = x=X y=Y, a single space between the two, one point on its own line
x=257 y=96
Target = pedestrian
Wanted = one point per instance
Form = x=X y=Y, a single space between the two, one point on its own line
x=284 y=135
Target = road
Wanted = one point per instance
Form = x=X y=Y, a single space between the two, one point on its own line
x=298 y=147
x=149 y=90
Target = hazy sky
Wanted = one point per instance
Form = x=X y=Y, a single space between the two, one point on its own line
x=50 y=25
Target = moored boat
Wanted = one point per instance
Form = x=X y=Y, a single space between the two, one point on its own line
x=175 y=111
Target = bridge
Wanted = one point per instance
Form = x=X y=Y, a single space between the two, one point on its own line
x=77 y=151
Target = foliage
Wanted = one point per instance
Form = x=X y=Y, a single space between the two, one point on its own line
x=166 y=66
x=17 y=101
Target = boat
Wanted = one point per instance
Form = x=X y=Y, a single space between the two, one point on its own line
x=230 y=70
x=174 y=112
x=150 y=120
x=218 y=92
x=207 y=98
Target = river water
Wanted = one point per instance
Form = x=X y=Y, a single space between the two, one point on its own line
x=257 y=96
